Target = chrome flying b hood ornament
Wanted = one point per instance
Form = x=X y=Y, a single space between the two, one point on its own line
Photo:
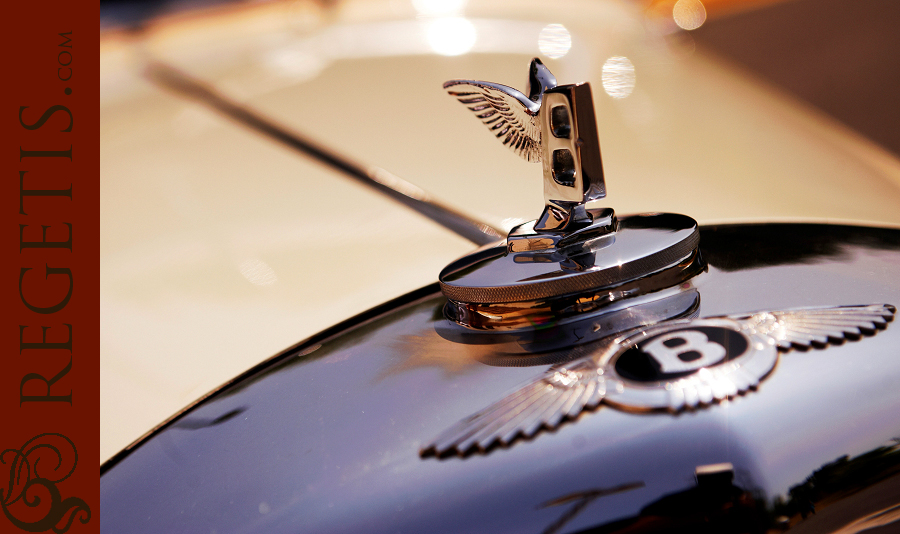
x=553 y=125
x=575 y=259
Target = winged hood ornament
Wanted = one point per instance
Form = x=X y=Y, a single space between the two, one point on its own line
x=508 y=113
x=672 y=366
x=554 y=125
x=575 y=259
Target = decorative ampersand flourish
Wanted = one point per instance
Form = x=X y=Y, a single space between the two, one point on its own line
x=31 y=500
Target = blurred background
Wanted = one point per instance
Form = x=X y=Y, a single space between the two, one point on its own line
x=841 y=56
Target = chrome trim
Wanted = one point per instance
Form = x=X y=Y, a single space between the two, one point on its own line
x=586 y=270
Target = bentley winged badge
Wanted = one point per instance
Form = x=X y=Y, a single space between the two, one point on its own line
x=671 y=366
x=619 y=288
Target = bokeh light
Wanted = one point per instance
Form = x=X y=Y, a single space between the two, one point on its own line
x=258 y=272
x=618 y=77
x=689 y=14
x=450 y=36
x=554 y=41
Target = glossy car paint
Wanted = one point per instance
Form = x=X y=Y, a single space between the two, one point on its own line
x=326 y=436
x=219 y=248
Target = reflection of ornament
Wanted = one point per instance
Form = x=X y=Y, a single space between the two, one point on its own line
x=673 y=366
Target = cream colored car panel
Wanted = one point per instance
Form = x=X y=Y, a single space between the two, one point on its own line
x=220 y=247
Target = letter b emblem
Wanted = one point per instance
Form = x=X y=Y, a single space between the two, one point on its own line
x=684 y=351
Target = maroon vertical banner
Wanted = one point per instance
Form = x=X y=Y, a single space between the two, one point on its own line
x=49 y=268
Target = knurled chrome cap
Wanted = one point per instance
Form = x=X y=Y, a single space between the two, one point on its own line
x=640 y=247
